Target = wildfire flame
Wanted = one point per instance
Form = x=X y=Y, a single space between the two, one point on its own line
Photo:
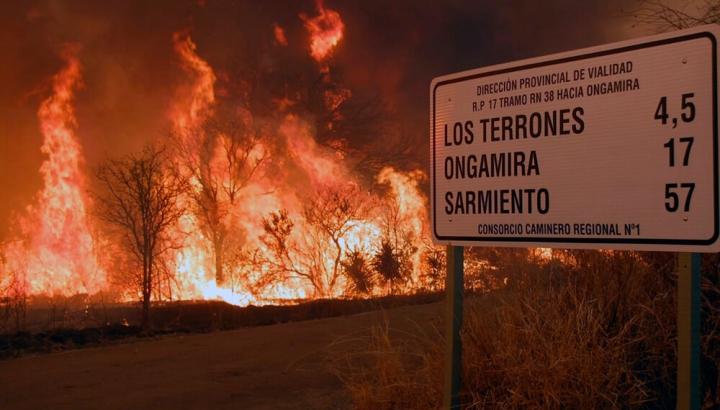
x=199 y=95
x=279 y=35
x=60 y=259
x=326 y=30
x=321 y=213
x=193 y=105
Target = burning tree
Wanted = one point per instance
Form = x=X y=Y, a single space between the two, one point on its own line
x=140 y=200
x=331 y=216
x=403 y=229
x=332 y=219
x=221 y=156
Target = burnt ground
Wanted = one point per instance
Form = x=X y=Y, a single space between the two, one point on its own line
x=74 y=326
x=286 y=364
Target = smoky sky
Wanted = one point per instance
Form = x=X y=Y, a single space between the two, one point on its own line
x=130 y=70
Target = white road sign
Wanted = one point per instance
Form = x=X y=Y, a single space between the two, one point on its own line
x=612 y=147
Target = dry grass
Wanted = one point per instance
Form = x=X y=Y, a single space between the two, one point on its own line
x=393 y=369
x=585 y=329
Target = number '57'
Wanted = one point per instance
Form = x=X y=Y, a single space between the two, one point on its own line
x=673 y=199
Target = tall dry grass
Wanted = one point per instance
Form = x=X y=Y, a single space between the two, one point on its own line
x=582 y=329
x=393 y=370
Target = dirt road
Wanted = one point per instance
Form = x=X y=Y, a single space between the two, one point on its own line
x=274 y=367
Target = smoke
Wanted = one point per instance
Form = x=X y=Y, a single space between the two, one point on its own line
x=131 y=72
x=398 y=47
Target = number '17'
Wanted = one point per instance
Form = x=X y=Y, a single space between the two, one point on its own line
x=670 y=145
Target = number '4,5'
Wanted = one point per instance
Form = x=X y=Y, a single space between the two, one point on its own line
x=687 y=106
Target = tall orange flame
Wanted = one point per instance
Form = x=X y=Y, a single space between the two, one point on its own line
x=194 y=104
x=61 y=258
x=200 y=95
x=326 y=30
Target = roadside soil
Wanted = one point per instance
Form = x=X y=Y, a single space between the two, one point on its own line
x=283 y=366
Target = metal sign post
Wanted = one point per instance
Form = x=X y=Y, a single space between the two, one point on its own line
x=454 y=286
x=688 y=322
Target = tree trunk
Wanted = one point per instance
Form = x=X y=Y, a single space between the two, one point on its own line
x=146 y=312
x=219 y=271
x=147 y=293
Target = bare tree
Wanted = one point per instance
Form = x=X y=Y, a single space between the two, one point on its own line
x=331 y=213
x=140 y=200
x=221 y=156
x=661 y=15
x=316 y=256
x=281 y=264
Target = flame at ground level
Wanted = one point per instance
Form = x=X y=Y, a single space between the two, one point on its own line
x=326 y=262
